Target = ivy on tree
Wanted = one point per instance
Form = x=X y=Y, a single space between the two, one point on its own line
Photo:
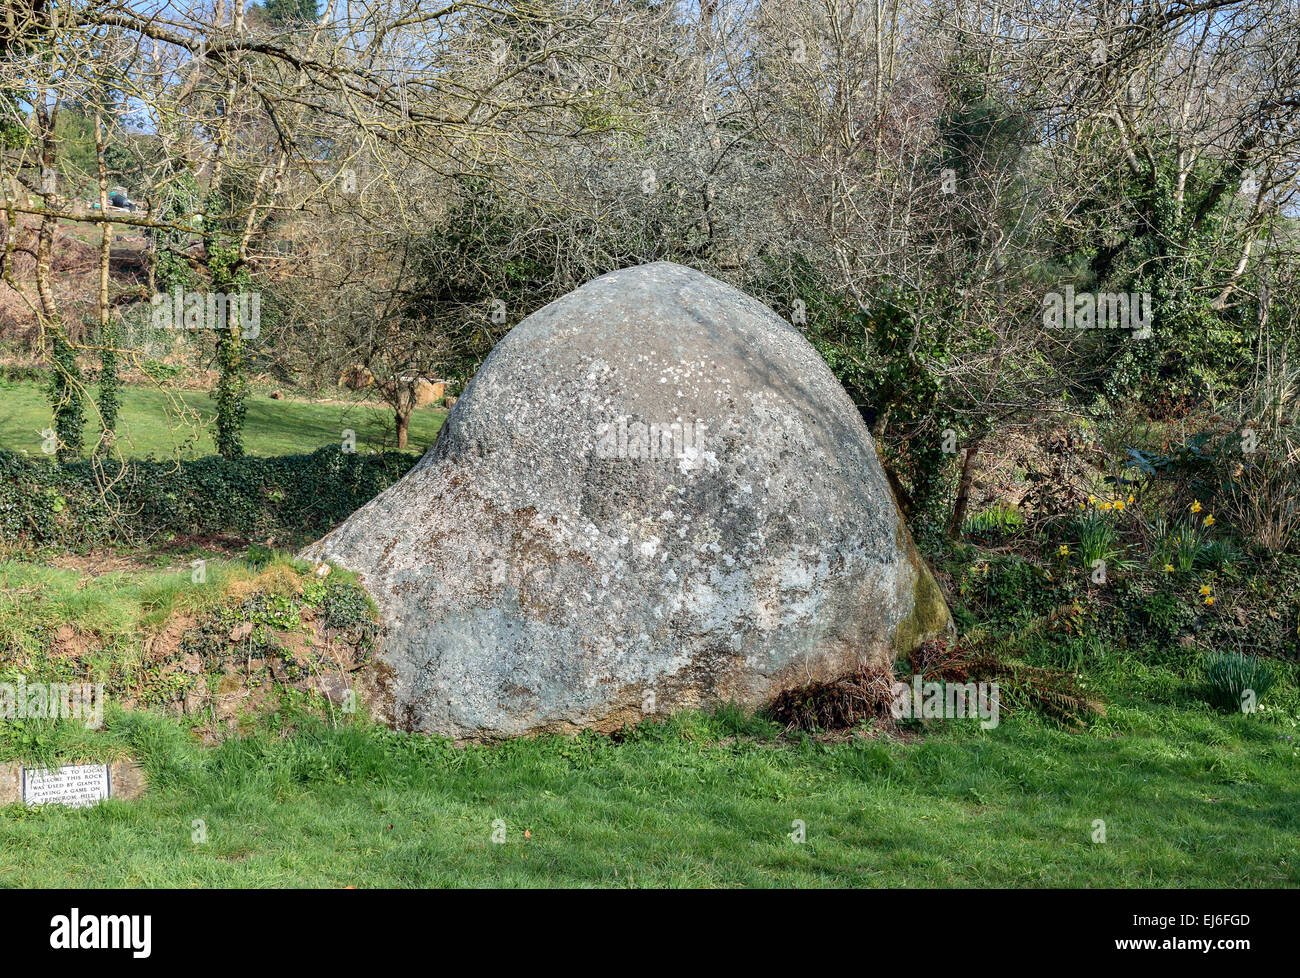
x=65 y=393
x=110 y=398
x=232 y=386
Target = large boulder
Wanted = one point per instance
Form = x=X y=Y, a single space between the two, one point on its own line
x=653 y=495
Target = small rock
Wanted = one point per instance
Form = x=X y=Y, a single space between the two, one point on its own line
x=334 y=688
x=127 y=780
x=228 y=704
x=241 y=631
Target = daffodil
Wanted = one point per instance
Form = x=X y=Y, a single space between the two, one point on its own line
x=1169 y=568
x=1105 y=505
x=1208 y=521
x=1196 y=505
x=1063 y=551
x=1210 y=599
x=1130 y=499
x=1205 y=589
x=1119 y=505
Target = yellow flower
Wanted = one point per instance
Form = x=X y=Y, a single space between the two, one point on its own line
x=1091 y=498
x=1210 y=599
x=1119 y=505
x=1130 y=499
x=1208 y=521
x=1205 y=589
x=1063 y=551
x=1169 y=568
x=1105 y=505
x=1196 y=505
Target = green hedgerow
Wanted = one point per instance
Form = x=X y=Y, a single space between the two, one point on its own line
x=289 y=496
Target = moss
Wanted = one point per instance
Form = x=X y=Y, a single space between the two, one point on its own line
x=929 y=616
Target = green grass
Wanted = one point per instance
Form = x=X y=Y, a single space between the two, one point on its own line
x=1189 y=798
x=121 y=606
x=1190 y=795
x=151 y=423
x=132 y=627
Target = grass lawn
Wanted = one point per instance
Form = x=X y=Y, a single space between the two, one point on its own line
x=1189 y=796
x=1187 y=800
x=152 y=422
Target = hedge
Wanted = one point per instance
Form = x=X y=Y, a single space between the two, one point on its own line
x=45 y=504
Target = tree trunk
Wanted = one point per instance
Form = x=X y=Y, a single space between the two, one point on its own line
x=403 y=420
x=108 y=339
x=963 y=489
x=50 y=204
x=901 y=495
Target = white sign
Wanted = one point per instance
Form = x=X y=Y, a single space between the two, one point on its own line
x=76 y=785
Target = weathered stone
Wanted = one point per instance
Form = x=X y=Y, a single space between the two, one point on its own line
x=227 y=704
x=334 y=687
x=195 y=701
x=11 y=782
x=544 y=568
x=128 y=780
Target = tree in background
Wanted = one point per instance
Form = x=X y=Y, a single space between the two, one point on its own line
x=906 y=181
x=233 y=281
x=110 y=386
x=66 y=393
x=285 y=13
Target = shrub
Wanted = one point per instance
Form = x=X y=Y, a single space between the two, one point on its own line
x=999 y=520
x=1010 y=591
x=1159 y=618
x=1231 y=676
x=1262 y=496
x=18 y=373
x=76 y=506
x=981 y=657
x=839 y=704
